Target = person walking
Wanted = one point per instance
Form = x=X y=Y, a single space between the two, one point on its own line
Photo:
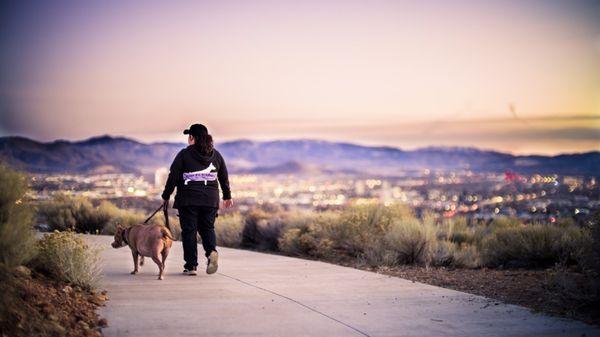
x=195 y=171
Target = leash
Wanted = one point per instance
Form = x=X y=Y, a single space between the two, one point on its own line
x=165 y=208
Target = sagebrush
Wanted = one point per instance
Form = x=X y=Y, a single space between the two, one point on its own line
x=68 y=257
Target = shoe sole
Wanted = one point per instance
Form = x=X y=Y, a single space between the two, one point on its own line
x=190 y=273
x=213 y=264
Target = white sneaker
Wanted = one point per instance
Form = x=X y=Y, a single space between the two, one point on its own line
x=213 y=262
x=191 y=272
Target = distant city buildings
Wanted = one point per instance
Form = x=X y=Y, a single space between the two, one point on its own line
x=477 y=195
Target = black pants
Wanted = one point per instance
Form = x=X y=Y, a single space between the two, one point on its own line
x=199 y=219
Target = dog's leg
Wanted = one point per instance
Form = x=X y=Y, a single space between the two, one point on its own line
x=164 y=254
x=160 y=266
x=141 y=260
x=135 y=262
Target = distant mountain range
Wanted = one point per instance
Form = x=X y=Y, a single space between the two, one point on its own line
x=106 y=154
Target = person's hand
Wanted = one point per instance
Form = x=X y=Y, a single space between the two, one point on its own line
x=228 y=203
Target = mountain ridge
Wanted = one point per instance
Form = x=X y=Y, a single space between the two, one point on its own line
x=309 y=156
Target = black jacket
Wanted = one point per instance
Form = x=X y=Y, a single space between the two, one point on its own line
x=195 y=175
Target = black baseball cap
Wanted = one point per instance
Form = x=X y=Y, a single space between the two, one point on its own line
x=196 y=130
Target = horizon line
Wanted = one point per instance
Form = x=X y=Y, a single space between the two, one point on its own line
x=305 y=139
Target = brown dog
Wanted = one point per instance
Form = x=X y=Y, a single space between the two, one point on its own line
x=145 y=240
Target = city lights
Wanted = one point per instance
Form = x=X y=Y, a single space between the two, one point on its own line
x=452 y=193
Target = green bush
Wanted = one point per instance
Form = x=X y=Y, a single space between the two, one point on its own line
x=228 y=229
x=66 y=256
x=534 y=246
x=17 y=239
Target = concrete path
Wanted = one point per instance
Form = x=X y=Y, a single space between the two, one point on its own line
x=256 y=294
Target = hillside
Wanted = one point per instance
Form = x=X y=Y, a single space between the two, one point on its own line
x=118 y=154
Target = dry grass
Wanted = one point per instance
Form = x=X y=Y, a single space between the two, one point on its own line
x=228 y=229
x=66 y=256
x=388 y=236
x=534 y=246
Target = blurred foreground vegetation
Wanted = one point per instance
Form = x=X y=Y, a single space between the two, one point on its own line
x=64 y=257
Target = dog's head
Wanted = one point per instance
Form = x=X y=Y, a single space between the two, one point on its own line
x=118 y=239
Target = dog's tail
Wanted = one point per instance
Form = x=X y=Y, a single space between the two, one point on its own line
x=166 y=233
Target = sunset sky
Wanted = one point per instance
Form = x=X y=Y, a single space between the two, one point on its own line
x=516 y=76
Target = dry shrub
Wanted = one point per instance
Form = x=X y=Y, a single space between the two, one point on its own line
x=307 y=234
x=502 y=222
x=459 y=231
x=66 y=256
x=375 y=234
x=456 y=246
x=411 y=241
x=17 y=239
x=78 y=214
x=467 y=256
x=228 y=229
x=406 y=241
x=484 y=229
x=443 y=254
x=380 y=235
x=291 y=243
x=73 y=213
x=360 y=227
x=449 y=254
x=115 y=215
x=262 y=230
x=534 y=246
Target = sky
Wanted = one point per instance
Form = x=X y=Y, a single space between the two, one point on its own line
x=516 y=76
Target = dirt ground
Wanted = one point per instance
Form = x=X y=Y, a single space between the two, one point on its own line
x=43 y=306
